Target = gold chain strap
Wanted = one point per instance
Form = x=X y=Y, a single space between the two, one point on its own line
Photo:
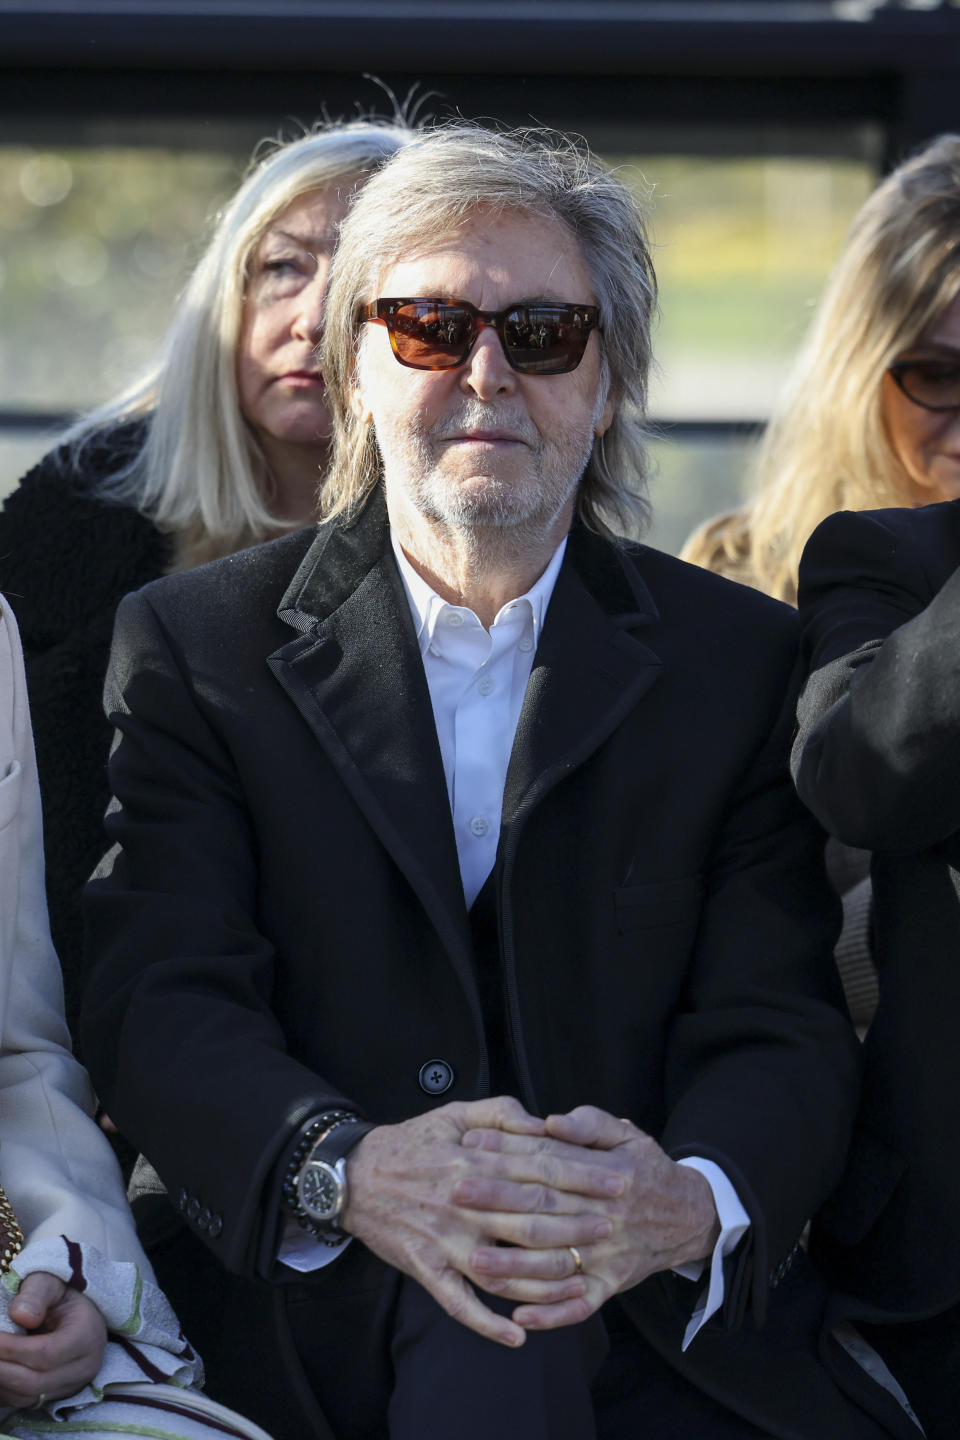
x=11 y=1236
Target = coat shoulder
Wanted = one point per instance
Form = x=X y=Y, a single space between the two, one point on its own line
x=915 y=548
x=718 y=609
x=720 y=640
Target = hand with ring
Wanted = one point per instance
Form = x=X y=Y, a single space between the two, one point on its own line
x=62 y=1349
x=659 y=1214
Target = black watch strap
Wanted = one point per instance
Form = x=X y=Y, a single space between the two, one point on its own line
x=330 y=1137
x=340 y=1139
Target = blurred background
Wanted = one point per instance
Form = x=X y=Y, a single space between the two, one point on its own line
x=753 y=130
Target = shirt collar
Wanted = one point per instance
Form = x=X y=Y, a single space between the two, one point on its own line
x=426 y=606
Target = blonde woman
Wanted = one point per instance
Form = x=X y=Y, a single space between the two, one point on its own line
x=219 y=445
x=832 y=443
x=836 y=441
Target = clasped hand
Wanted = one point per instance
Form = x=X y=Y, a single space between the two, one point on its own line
x=484 y=1195
x=63 y=1348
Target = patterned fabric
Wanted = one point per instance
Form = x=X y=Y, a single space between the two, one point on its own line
x=143 y=1385
x=158 y=1412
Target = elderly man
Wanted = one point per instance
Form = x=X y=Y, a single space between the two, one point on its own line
x=463 y=961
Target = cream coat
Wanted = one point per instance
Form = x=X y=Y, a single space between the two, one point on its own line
x=56 y=1165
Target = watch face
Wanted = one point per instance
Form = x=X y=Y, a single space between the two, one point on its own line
x=321 y=1190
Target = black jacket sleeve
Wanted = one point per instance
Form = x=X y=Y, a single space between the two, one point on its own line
x=877 y=757
x=171 y=924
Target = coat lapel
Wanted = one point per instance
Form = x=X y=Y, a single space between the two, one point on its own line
x=356 y=675
x=589 y=672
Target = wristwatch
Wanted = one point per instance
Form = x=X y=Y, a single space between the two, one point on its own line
x=315 y=1185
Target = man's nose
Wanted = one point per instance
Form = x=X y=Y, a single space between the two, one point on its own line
x=486 y=370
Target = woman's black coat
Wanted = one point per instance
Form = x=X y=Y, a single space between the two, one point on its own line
x=67 y=558
x=877 y=759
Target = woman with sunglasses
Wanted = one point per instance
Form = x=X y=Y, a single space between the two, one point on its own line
x=219 y=445
x=835 y=441
x=877 y=759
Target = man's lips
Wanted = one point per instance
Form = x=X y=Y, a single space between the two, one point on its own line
x=484 y=437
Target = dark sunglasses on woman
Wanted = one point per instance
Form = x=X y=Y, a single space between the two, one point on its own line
x=932 y=384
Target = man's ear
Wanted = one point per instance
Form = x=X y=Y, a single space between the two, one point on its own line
x=606 y=416
x=358 y=406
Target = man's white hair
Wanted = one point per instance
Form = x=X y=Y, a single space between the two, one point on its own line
x=421 y=197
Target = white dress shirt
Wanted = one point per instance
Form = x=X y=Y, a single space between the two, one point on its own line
x=477 y=679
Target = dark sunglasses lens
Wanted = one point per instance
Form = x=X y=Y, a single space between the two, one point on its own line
x=545 y=339
x=431 y=336
x=934 y=384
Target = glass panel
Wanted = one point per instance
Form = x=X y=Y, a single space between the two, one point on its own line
x=97 y=242
x=693 y=479
x=742 y=248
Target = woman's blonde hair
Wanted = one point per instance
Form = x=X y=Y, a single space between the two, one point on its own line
x=428 y=191
x=826 y=447
x=200 y=472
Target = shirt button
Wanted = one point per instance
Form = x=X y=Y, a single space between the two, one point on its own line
x=479 y=826
x=434 y=649
x=454 y=618
x=525 y=644
x=485 y=684
x=436 y=1077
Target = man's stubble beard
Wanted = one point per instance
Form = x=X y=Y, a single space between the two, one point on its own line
x=495 y=516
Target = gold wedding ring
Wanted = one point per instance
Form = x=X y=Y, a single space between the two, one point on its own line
x=577 y=1259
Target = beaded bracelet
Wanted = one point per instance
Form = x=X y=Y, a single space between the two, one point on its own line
x=316 y=1131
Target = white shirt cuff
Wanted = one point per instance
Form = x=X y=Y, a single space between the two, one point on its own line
x=300 y=1251
x=734 y=1224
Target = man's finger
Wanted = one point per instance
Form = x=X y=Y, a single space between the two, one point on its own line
x=546 y=1232
x=554 y=1317
x=507 y=1142
x=591 y=1127
x=528 y=1185
x=495 y=1262
x=535 y=1292
x=455 y=1296
x=501 y=1113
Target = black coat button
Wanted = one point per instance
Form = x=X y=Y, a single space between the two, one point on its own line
x=193 y=1208
x=204 y=1218
x=436 y=1077
x=215 y=1226
x=182 y=1199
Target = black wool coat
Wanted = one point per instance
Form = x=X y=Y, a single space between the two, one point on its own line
x=66 y=559
x=281 y=926
x=877 y=759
